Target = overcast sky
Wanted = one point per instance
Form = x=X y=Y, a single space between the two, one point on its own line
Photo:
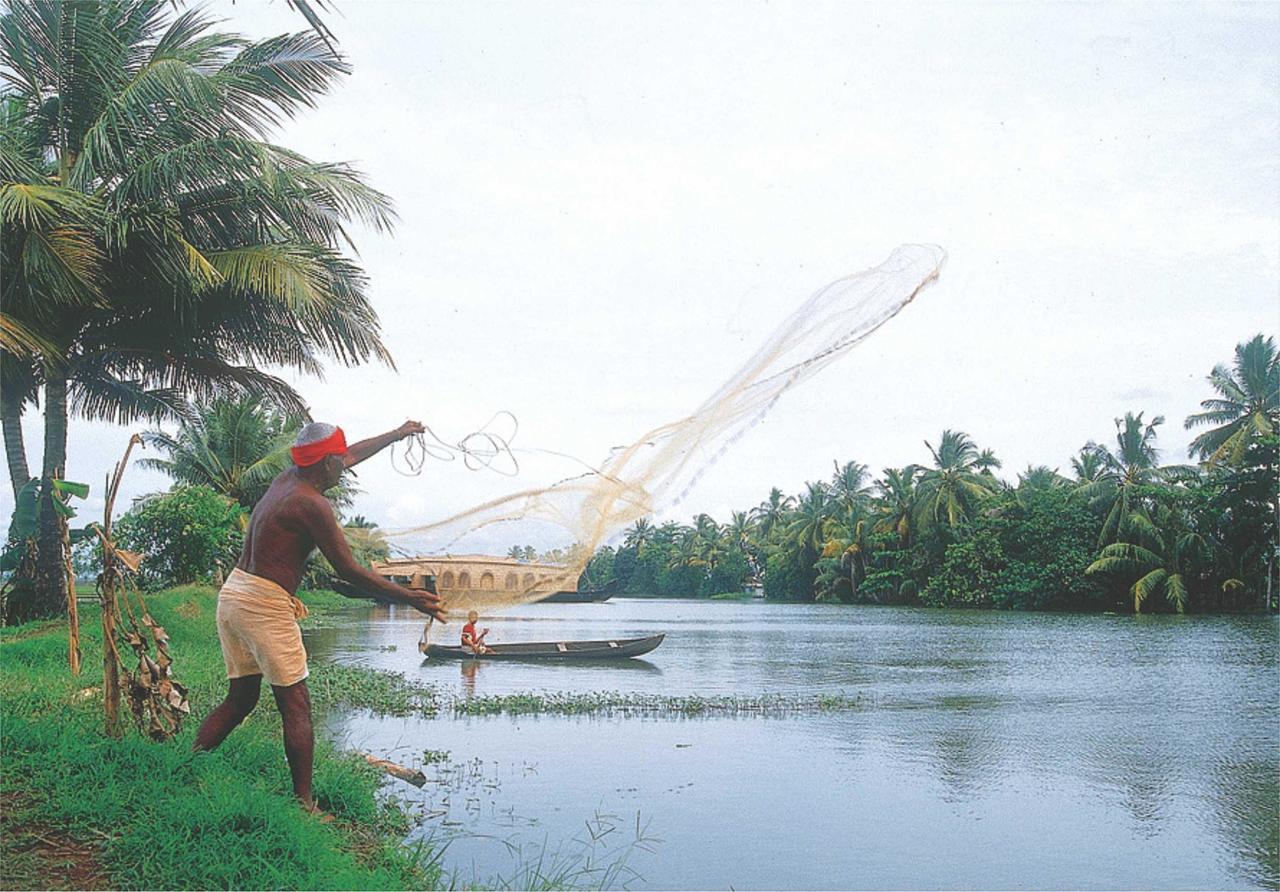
x=606 y=207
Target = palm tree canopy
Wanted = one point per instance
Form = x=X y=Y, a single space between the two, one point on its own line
x=850 y=485
x=770 y=513
x=948 y=492
x=1247 y=406
x=897 y=503
x=236 y=447
x=639 y=534
x=1121 y=475
x=808 y=528
x=161 y=243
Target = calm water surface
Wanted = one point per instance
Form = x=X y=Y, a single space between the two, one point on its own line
x=989 y=750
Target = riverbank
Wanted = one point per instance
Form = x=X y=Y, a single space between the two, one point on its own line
x=80 y=810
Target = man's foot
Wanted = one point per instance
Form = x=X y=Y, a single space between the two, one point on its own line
x=317 y=812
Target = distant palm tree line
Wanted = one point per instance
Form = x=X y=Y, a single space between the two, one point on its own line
x=1121 y=531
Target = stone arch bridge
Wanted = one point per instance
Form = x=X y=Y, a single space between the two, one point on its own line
x=479 y=573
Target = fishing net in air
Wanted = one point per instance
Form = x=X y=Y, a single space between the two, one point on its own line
x=656 y=471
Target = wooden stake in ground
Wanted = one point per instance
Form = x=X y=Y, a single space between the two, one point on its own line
x=73 y=613
x=107 y=598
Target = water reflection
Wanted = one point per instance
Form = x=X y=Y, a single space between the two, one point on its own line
x=469 y=669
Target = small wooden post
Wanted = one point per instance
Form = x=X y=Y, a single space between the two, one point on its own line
x=107 y=598
x=73 y=613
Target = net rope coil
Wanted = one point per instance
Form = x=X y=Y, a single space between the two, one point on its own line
x=483 y=449
x=659 y=469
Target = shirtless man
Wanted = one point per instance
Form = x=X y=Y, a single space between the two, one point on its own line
x=257 y=608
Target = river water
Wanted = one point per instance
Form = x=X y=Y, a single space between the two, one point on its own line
x=984 y=749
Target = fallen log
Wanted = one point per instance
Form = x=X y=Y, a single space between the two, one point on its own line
x=408 y=775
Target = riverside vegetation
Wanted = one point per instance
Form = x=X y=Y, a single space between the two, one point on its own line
x=144 y=815
x=1122 y=531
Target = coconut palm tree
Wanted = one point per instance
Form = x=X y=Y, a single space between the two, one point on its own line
x=740 y=529
x=808 y=526
x=986 y=462
x=235 y=446
x=196 y=252
x=639 y=534
x=896 y=507
x=770 y=514
x=1247 y=406
x=741 y=532
x=1158 y=555
x=1118 y=488
x=685 y=550
x=1088 y=465
x=1035 y=479
x=709 y=541
x=848 y=541
x=850 y=486
x=948 y=492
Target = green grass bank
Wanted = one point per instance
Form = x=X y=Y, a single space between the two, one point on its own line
x=80 y=809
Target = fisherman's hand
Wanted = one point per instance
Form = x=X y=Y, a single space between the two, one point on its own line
x=432 y=605
x=409 y=428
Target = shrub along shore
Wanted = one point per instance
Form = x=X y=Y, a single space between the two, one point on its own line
x=81 y=809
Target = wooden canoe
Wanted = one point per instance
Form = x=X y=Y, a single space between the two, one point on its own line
x=609 y=649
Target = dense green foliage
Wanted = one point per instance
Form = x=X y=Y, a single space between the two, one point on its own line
x=157 y=245
x=1124 y=532
x=188 y=534
x=234 y=446
x=168 y=818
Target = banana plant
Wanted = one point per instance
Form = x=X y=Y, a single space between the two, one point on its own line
x=17 y=560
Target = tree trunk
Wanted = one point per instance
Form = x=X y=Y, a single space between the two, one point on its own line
x=14 y=448
x=51 y=561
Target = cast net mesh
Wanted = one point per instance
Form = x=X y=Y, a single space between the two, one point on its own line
x=654 y=473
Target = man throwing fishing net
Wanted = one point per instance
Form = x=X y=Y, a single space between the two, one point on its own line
x=258 y=612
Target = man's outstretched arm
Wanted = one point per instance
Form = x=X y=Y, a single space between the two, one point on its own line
x=358 y=452
x=324 y=528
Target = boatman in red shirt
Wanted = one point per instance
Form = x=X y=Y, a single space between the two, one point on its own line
x=470 y=638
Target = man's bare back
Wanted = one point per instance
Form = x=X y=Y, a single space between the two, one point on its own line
x=279 y=539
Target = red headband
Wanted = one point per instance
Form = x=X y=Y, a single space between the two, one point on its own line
x=334 y=444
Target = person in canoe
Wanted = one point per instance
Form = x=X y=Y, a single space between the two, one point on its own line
x=258 y=611
x=472 y=639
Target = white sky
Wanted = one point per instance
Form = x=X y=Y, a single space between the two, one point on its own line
x=605 y=208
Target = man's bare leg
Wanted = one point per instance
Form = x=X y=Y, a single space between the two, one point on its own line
x=242 y=696
x=294 y=703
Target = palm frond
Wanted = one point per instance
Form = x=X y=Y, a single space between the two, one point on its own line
x=1148 y=585
x=1176 y=592
x=21 y=341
